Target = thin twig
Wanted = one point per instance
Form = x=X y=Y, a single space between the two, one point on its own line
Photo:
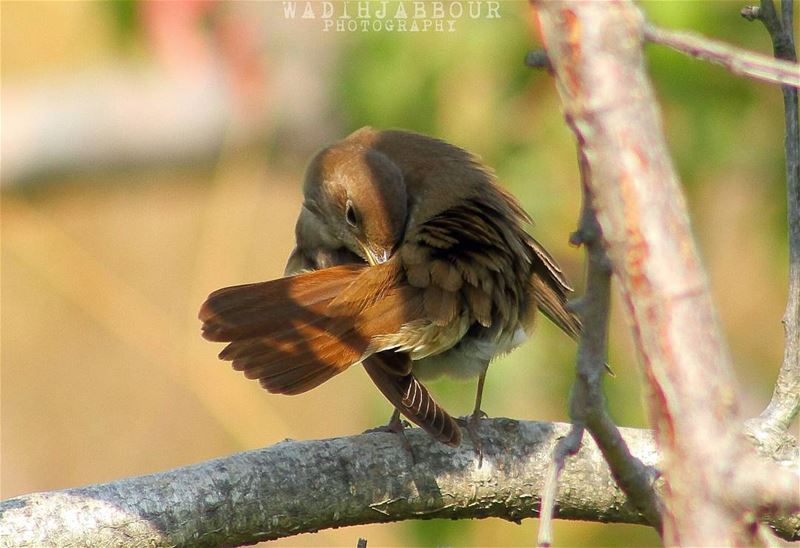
x=770 y=427
x=738 y=61
x=566 y=447
x=587 y=403
x=781 y=33
x=538 y=59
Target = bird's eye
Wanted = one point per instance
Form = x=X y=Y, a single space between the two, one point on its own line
x=350 y=214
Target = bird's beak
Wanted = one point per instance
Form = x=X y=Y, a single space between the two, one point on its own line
x=375 y=256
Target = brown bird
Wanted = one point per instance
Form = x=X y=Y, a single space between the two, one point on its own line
x=411 y=260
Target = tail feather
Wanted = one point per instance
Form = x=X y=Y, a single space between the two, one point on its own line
x=245 y=311
x=297 y=381
x=282 y=333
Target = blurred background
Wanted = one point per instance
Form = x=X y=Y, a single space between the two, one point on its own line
x=153 y=152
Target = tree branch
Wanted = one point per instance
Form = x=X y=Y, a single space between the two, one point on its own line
x=769 y=429
x=781 y=29
x=303 y=486
x=634 y=478
x=738 y=61
x=567 y=446
x=538 y=59
x=596 y=53
x=298 y=487
x=587 y=403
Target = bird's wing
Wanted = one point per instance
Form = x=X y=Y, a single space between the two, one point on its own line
x=551 y=290
x=474 y=256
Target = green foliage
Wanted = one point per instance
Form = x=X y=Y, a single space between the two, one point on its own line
x=125 y=17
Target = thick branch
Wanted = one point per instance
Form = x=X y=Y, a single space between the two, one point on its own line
x=769 y=428
x=297 y=487
x=300 y=487
x=738 y=61
x=596 y=53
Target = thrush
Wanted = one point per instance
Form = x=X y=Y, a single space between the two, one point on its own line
x=411 y=260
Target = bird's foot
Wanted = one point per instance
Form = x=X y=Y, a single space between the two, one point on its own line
x=473 y=424
x=396 y=426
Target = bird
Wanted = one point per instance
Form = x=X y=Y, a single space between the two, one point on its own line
x=410 y=259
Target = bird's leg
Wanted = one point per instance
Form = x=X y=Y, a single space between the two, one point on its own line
x=474 y=423
x=395 y=423
x=396 y=426
x=474 y=420
x=477 y=413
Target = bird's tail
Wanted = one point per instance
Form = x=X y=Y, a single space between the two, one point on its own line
x=282 y=333
x=294 y=333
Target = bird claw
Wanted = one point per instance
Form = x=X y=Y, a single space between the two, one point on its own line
x=394 y=427
x=472 y=423
x=398 y=427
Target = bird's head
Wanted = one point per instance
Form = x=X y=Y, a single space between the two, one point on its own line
x=359 y=196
